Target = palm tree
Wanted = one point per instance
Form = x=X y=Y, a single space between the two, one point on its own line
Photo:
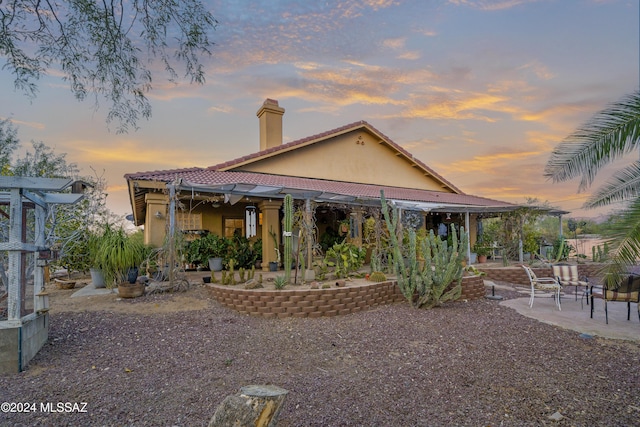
x=609 y=135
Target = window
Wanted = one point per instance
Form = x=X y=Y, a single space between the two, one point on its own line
x=233 y=225
x=188 y=221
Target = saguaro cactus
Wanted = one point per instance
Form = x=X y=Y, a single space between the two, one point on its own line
x=288 y=236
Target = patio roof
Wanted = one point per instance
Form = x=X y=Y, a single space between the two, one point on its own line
x=201 y=181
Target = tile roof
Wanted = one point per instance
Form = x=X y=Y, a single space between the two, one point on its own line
x=200 y=177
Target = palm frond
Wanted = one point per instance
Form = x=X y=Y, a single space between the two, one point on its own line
x=623 y=185
x=624 y=239
x=610 y=134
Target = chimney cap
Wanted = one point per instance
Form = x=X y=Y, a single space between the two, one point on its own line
x=271 y=106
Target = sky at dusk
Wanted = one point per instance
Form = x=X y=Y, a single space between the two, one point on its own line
x=479 y=90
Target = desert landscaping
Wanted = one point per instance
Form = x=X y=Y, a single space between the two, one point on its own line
x=171 y=359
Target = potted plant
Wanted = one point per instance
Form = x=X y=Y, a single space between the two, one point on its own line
x=256 y=249
x=210 y=250
x=118 y=253
x=482 y=251
x=94 y=240
x=273 y=265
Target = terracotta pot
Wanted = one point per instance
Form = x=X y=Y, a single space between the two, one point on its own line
x=482 y=259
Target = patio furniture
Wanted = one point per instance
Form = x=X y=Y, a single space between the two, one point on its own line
x=628 y=290
x=567 y=275
x=543 y=284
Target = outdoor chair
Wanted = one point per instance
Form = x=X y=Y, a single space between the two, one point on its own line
x=543 y=284
x=628 y=290
x=567 y=275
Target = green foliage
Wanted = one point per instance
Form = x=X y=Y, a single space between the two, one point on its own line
x=275 y=244
x=561 y=249
x=208 y=246
x=443 y=268
x=345 y=257
x=256 y=249
x=481 y=248
x=321 y=269
x=232 y=274
x=287 y=235
x=600 y=253
x=473 y=271
x=105 y=48
x=438 y=280
x=531 y=239
x=609 y=135
x=377 y=276
x=280 y=282
x=241 y=249
x=329 y=238
x=118 y=251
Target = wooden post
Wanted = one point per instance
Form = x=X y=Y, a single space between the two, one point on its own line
x=253 y=405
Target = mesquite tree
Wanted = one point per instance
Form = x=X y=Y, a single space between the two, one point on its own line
x=105 y=48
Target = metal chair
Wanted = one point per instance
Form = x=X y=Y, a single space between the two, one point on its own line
x=545 y=284
x=627 y=291
x=567 y=275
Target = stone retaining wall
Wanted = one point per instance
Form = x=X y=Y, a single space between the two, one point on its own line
x=472 y=288
x=308 y=302
x=327 y=302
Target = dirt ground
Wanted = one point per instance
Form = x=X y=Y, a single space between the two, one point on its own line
x=171 y=359
x=61 y=301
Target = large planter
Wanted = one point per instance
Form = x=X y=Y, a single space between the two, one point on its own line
x=474 y=258
x=215 y=264
x=129 y=290
x=482 y=259
x=97 y=279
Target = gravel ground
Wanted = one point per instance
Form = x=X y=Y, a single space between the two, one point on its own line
x=468 y=364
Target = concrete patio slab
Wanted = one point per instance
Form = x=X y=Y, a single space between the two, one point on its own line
x=576 y=317
x=89 y=289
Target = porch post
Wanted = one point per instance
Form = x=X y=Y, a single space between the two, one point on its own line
x=357 y=216
x=15 y=276
x=270 y=222
x=467 y=227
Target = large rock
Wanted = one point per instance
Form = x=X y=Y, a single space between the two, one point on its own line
x=252 y=406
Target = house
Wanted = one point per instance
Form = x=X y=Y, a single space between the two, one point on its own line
x=335 y=177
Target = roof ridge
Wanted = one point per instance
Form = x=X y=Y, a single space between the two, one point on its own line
x=286 y=146
x=164 y=171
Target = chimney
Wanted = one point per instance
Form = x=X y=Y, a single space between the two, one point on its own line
x=270 y=116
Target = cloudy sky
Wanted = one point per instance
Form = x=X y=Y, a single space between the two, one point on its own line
x=480 y=90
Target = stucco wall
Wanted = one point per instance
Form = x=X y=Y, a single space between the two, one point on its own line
x=353 y=157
